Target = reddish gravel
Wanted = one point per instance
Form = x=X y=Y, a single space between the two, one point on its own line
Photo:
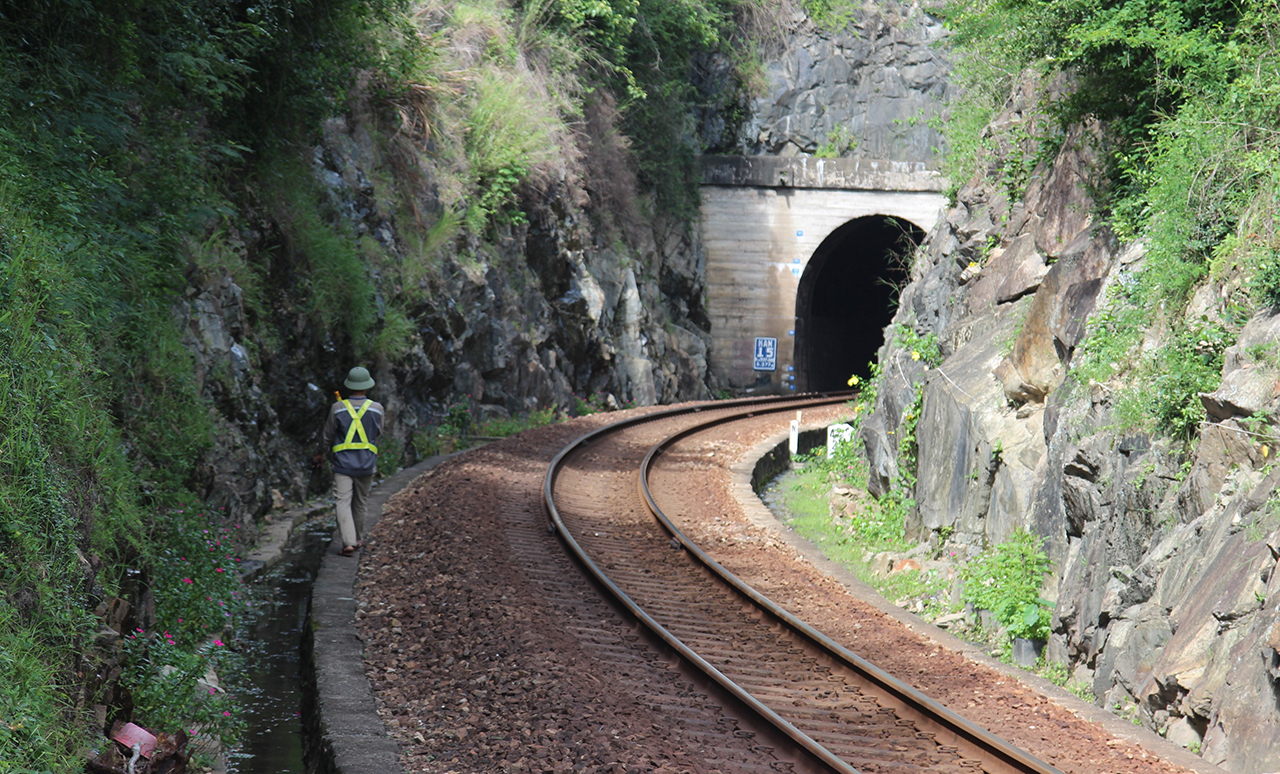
x=488 y=651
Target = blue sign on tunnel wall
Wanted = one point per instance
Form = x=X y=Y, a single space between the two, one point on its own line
x=766 y=358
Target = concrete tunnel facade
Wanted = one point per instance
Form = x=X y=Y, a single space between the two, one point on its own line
x=803 y=259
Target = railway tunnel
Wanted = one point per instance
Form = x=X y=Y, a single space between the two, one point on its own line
x=803 y=258
x=846 y=296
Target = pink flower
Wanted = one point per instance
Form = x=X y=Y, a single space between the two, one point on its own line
x=217 y=569
x=187 y=580
x=226 y=714
x=218 y=643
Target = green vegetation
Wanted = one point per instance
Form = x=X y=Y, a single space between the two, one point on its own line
x=124 y=121
x=838 y=143
x=805 y=496
x=877 y=525
x=1189 y=364
x=1007 y=582
x=830 y=14
x=1189 y=153
x=458 y=428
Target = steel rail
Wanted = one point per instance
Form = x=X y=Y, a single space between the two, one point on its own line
x=744 y=696
x=981 y=739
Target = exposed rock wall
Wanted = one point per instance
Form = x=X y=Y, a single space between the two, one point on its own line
x=1167 y=600
x=873 y=89
x=524 y=320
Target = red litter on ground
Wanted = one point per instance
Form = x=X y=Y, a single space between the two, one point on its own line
x=130 y=734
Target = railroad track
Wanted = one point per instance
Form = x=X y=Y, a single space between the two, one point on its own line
x=836 y=711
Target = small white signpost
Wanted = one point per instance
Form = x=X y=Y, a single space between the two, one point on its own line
x=836 y=435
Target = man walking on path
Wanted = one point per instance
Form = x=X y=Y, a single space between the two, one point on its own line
x=350 y=437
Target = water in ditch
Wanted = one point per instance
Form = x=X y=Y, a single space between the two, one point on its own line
x=271 y=691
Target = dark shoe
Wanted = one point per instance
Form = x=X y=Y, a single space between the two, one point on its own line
x=347 y=551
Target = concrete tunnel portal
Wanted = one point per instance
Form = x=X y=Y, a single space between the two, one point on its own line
x=846 y=296
x=803 y=260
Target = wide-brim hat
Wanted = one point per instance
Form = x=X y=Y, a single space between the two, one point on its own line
x=358 y=379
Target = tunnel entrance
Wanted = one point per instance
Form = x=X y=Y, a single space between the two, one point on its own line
x=847 y=296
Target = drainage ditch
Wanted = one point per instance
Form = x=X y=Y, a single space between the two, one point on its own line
x=272 y=692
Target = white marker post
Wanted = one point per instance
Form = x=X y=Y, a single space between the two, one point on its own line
x=794 y=444
x=836 y=435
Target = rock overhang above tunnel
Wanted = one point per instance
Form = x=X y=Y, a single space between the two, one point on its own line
x=852 y=174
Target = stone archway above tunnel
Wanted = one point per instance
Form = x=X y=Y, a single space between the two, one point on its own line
x=763 y=220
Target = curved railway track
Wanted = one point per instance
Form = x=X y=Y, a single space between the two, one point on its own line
x=839 y=712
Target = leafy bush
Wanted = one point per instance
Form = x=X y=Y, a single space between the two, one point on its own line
x=1007 y=582
x=499 y=427
x=1266 y=282
x=176 y=689
x=1171 y=378
x=831 y=15
x=197 y=584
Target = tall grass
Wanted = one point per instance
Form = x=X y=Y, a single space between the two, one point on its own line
x=509 y=133
x=67 y=493
x=341 y=297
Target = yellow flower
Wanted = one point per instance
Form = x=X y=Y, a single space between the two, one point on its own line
x=915 y=354
x=1266 y=451
x=972 y=266
x=853 y=380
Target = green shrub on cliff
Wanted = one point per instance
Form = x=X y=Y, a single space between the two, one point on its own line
x=1187 y=108
x=1007 y=581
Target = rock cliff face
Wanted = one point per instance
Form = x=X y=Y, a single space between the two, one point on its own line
x=873 y=89
x=1167 y=599
x=528 y=319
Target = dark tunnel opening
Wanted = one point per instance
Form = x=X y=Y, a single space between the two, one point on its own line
x=847 y=296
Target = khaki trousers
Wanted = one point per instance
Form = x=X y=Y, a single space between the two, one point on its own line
x=352 y=495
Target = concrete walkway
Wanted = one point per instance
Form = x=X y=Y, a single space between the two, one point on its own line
x=344 y=734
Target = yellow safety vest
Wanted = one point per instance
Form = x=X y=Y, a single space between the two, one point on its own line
x=357 y=428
